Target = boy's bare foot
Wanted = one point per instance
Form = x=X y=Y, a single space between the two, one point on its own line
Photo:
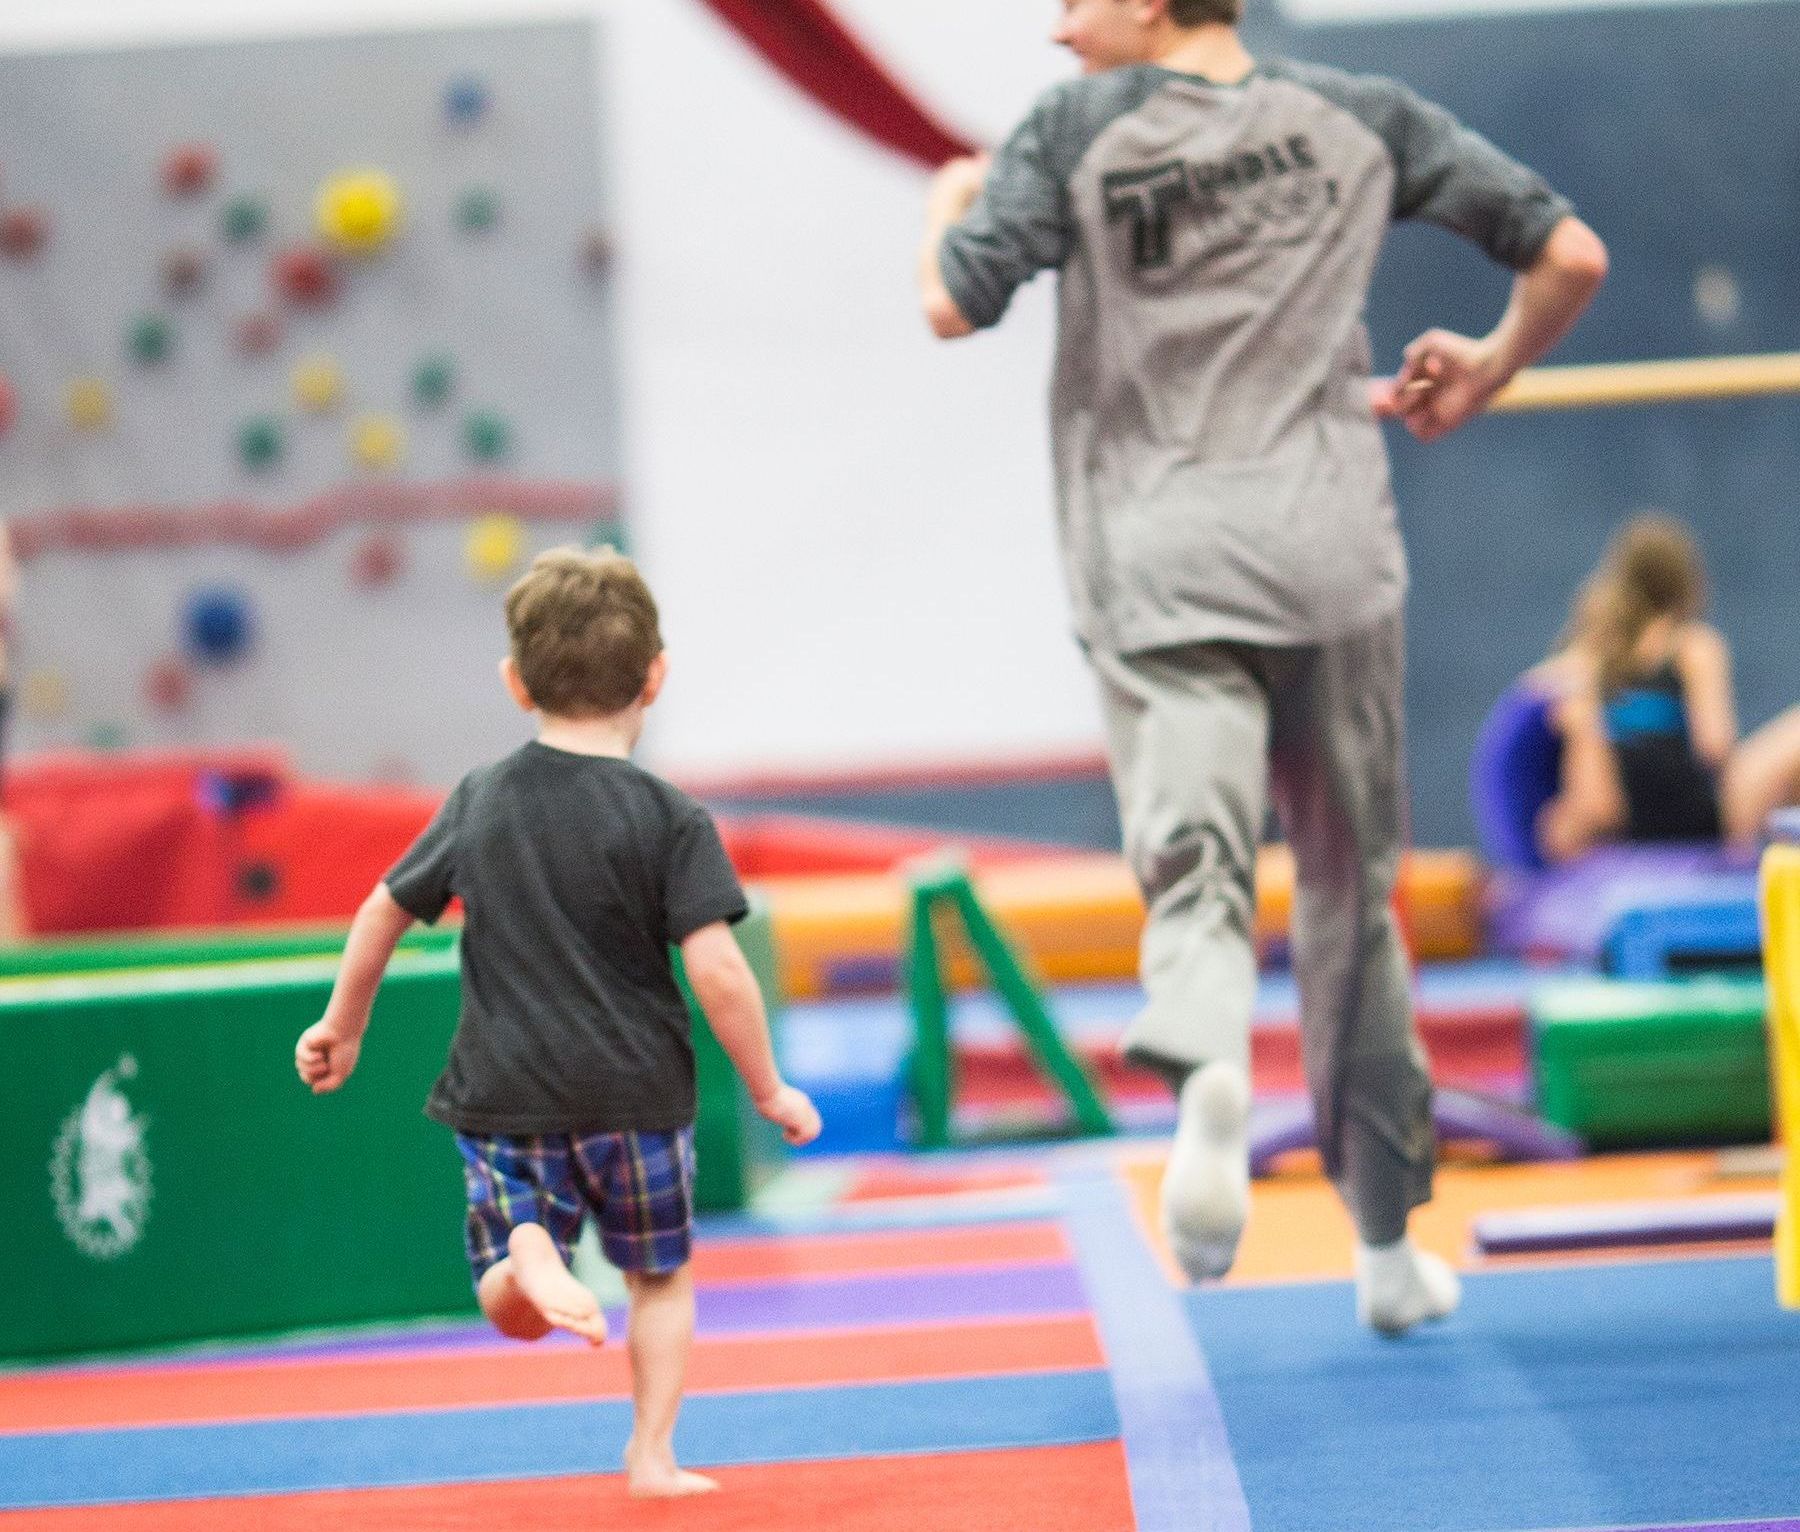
x=538 y=1269
x=651 y=1475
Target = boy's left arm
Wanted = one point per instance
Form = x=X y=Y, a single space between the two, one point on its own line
x=328 y=1049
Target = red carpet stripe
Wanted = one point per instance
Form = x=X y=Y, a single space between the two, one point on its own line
x=763 y=1260
x=216 y=1392
x=1038 y=1489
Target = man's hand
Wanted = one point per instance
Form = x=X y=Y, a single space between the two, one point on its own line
x=956 y=186
x=793 y=1112
x=325 y=1056
x=1445 y=382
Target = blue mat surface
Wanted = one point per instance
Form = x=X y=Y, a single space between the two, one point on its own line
x=1604 y=1396
x=63 y=1468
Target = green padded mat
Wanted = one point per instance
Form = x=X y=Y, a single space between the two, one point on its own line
x=168 y=1179
x=1651 y=1064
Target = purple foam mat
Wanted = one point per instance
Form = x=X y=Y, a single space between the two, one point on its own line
x=1529 y=1231
x=752 y=1308
x=1567 y=911
x=1516 y=1134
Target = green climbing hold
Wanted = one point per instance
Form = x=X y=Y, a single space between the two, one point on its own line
x=244 y=218
x=432 y=381
x=487 y=436
x=150 y=337
x=108 y=737
x=259 y=441
x=607 y=534
x=478 y=209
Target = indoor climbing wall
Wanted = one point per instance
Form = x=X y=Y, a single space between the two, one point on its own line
x=305 y=345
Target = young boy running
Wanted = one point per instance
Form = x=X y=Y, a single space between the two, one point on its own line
x=570 y=1081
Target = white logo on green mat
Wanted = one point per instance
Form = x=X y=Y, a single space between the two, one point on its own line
x=99 y=1174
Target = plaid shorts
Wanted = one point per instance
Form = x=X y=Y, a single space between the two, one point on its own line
x=638 y=1186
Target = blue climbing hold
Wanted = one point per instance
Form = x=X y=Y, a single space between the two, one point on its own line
x=218 y=626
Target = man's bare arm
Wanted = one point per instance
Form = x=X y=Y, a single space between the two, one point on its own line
x=1448 y=379
x=953 y=191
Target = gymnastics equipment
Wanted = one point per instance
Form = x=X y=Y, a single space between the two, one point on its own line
x=1514 y=1134
x=244 y=218
x=218 y=625
x=149 y=338
x=1660 y=382
x=89 y=403
x=1583 y=910
x=477 y=209
x=377 y=562
x=465 y=99
x=256 y=333
x=432 y=381
x=188 y=169
x=1642 y=1064
x=23 y=232
x=1710 y=924
x=1624 y=1225
x=358 y=210
x=1512 y=775
x=154 y=1141
x=1781 y=915
x=305 y=275
x=318 y=383
x=486 y=436
x=259 y=442
x=1079 y=915
x=378 y=441
x=945 y=887
x=493 y=547
x=183 y=269
x=169 y=684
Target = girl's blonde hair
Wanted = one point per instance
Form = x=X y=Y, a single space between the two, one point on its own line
x=1652 y=568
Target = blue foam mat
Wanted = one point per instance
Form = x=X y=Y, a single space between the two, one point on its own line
x=67 y=1468
x=1600 y=1396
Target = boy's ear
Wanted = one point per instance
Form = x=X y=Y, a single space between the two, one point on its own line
x=654 y=678
x=515 y=685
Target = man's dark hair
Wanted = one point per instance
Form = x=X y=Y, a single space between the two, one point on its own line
x=1195 y=13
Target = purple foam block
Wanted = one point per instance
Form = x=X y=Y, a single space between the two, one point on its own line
x=1568 y=911
x=1515 y=1133
x=1623 y=1225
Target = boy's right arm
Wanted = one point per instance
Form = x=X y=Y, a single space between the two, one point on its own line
x=726 y=989
x=327 y=1050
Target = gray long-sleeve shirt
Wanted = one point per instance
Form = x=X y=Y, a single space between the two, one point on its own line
x=1220 y=473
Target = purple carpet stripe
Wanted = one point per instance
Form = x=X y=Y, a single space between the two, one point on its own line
x=1789 y=1524
x=1023 y=1291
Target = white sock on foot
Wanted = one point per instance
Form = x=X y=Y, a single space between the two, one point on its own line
x=1400 y=1285
x=1206 y=1187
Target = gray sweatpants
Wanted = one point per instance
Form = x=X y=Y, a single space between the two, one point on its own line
x=1199 y=737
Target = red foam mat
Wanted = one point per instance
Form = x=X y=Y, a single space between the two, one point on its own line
x=1037 y=1489
x=92 y=1398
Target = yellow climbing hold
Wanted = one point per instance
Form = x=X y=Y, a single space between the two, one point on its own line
x=318 y=383
x=493 y=548
x=89 y=402
x=44 y=694
x=359 y=210
x=378 y=441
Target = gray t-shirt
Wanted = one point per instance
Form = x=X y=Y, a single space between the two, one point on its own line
x=576 y=874
x=1220 y=473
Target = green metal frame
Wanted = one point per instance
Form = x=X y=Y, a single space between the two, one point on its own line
x=945 y=891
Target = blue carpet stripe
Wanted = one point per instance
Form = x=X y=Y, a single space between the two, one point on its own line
x=540 y=1441
x=1179 y=1461
x=1630 y=1395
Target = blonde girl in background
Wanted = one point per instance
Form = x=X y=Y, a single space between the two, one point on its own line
x=1644 y=705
